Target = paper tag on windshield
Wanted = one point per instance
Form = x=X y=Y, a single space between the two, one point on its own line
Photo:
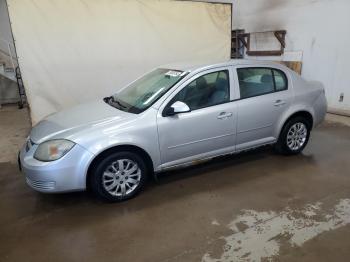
x=173 y=73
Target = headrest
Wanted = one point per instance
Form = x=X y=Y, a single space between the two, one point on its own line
x=266 y=79
x=221 y=84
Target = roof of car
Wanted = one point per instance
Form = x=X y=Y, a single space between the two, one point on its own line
x=192 y=66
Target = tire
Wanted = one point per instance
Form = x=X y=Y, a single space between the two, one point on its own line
x=112 y=178
x=294 y=136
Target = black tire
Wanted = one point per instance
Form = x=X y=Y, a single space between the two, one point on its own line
x=96 y=179
x=282 y=147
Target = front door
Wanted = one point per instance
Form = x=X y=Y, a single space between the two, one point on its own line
x=208 y=129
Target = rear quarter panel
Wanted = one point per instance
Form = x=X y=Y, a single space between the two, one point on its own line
x=308 y=97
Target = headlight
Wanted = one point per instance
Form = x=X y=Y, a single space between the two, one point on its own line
x=53 y=150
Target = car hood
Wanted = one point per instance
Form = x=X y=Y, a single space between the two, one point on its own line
x=71 y=121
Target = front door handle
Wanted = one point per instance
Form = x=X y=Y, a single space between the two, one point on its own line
x=224 y=115
x=279 y=102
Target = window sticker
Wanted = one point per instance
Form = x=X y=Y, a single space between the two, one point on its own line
x=174 y=73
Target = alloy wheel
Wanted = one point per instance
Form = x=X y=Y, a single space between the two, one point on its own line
x=296 y=136
x=121 y=177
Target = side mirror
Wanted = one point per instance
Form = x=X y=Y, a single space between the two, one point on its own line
x=176 y=108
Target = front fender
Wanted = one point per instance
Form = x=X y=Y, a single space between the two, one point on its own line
x=150 y=146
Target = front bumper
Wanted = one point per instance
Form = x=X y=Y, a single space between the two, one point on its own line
x=63 y=175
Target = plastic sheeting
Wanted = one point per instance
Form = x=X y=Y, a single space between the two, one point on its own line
x=72 y=51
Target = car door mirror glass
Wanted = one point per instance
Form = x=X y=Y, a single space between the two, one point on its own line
x=177 y=108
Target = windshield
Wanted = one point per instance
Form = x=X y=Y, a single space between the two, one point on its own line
x=142 y=93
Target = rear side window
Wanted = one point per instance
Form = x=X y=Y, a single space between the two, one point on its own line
x=260 y=81
x=280 y=80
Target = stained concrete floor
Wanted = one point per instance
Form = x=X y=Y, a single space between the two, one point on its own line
x=195 y=214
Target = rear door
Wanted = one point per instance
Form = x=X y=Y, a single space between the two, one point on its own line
x=264 y=96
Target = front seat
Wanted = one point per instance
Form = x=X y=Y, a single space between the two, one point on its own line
x=220 y=95
x=202 y=92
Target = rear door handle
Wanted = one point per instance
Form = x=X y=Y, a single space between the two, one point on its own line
x=224 y=115
x=279 y=102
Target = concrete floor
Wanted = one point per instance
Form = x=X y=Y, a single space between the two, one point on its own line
x=248 y=207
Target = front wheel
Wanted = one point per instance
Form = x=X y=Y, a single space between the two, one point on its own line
x=119 y=176
x=294 y=136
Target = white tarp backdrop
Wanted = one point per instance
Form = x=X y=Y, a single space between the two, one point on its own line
x=71 y=51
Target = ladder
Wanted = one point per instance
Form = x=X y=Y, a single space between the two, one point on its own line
x=21 y=91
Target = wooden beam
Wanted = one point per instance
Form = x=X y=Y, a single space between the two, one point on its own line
x=265 y=53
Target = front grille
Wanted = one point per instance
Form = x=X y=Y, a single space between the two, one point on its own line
x=41 y=185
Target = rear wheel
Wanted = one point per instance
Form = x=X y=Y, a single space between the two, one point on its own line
x=294 y=136
x=119 y=176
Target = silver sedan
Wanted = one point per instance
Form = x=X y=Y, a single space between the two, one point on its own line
x=174 y=116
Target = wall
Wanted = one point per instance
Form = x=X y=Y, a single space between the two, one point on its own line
x=5 y=28
x=8 y=88
x=318 y=32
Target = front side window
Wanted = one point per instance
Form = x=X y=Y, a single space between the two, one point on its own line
x=260 y=81
x=207 y=90
x=141 y=94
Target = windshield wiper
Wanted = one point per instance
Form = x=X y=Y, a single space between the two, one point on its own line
x=112 y=101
